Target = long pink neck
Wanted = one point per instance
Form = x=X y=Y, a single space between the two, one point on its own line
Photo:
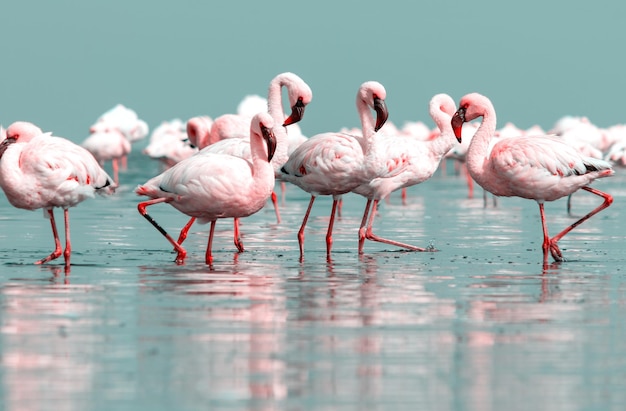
x=478 y=149
x=442 y=144
x=368 y=123
x=276 y=110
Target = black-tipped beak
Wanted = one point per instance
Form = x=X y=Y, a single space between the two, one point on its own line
x=457 y=123
x=297 y=112
x=270 y=139
x=5 y=144
x=381 y=113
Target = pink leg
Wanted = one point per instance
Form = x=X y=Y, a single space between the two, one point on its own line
x=180 y=257
x=331 y=223
x=403 y=195
x=470 y=184
x=124 y=162
x=608 y=199
x=283 y=189
x=68 y=244
x=57 y=242
x=371 y=236
x=547 y=245
x=339 y=207
x=116 y=177
x=301 y=231
x=275 y=202
x=208 y=256
x=183 y=233
x=363 y=224
x=238 y=242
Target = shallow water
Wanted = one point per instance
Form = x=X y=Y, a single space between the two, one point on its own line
x=480 y=324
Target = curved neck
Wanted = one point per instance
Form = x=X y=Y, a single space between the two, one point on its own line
x=446 y=140
x=368 y=123
x=478 y=149
x=276 y=110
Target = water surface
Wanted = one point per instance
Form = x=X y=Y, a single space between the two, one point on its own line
x=479 y=325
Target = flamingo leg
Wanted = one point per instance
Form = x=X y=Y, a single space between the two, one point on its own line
x=547 y=243
x=363 y=223
x=68 y=243
x=141 y=207
x=275 y=202
x=331 y=223
x=185 y=231
x=115 y=171
x=238 y=242
x=339 y=207
x=403 y=194
x=124 y=162
x=369 y=234
x=301 y=231
x=283 y=189
x=208 y=256
x=608 y=199
x=57 y=242
x=569 y=205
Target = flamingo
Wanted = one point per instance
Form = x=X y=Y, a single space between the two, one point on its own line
x=209 y=186
x=39 y=170
x=403 y=162
x=335 y=163
x=107 y=143
x=540 y=168
x=198 y=131
x=300 y=95
x=169 y=143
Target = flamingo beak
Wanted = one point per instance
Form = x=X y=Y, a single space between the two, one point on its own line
x=5 y=144
x=297 y=112
x=457 y=123
x=381 y=113
x=270 y=139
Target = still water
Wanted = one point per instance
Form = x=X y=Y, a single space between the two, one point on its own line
x=479 y=325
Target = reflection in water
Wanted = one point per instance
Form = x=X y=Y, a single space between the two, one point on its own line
x=47 y=346
x=479 y=325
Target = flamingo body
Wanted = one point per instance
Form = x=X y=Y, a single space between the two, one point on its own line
x=210 y=186
x=39 y=170
x=541 y=168
x=336 y=163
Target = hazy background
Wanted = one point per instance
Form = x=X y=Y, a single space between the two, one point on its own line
x=66 y=62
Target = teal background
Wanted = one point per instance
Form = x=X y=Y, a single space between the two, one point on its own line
x=66 y=62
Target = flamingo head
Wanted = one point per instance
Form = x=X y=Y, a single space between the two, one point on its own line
x=382 y=114
x=457 y=122
x=297 y=112
x=270 y=140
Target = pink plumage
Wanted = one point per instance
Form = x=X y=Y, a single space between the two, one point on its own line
x=541 y=168
x=336 y=163
x=39 y=170
x=211 y=186
x=403 y=161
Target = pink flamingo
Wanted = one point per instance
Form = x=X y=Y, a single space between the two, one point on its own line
x=335 y=163
x=39 y=170
x=539 y=168
x=299 y=95
x=403 y=162
x=198 y=131
x=169 y=144
x=107 y=143
x=210 y=186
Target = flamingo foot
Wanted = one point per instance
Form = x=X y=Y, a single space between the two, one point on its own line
x=54 y=255
x=180 y=256
x=556 y=251
x=373 y=237
x=239 y=245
